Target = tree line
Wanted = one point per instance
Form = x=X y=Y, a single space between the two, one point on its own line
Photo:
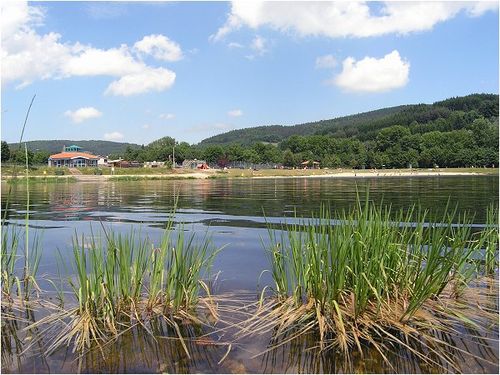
x=456 y=132
x=474 y=144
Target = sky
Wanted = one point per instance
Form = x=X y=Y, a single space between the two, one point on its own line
x=138 y=71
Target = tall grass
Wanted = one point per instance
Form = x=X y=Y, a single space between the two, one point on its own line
x=488 y=241
x=19 y=282
x=9 y=256
x=122 y=281
x=370 y=271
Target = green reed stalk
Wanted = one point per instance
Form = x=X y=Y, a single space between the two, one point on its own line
x=10 y=243
x=125 y=278
x=488 y=241
x=26 y=226
x=373 y=258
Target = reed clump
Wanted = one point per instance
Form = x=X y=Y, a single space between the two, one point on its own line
x=375 y=277
x=123 y=281
x=18 y=283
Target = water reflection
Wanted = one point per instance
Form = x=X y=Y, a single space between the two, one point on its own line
x=467 y=352
x=157 y=350
x=249 y=197
x=233 y=213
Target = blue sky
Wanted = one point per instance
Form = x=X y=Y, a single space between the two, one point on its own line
x=135 y=72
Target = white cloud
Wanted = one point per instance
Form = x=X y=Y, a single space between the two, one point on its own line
x=235 y=113
x=83 y=114
x=160 y=47
x=345 y=18
x=150 y=79
x=146 y=126
x=373 y=75
x=233 y=23
x=259 y=45
x=15 y=15
x=478 y=8
x=325 y=62
x=235 y=45
x=166 y=116
x=93 y=62
x=113 y=136
x=28 y=56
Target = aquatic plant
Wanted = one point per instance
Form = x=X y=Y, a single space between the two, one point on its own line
x=488 y=241
x=370 y=275
x=124 y=281
x=10 y=243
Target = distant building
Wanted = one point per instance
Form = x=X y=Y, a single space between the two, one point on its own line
x=310 y=164
x=154 y=164
x=73 y=159
x=72 y=156
x=72 y=148
x=103 y=161
x=194 y=164
x=120 y=163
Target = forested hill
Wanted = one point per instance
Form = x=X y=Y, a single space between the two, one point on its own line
x=94 y=147
x=420 y=118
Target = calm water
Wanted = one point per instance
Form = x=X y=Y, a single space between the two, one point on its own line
x=234 y=212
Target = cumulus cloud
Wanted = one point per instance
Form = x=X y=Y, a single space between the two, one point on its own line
x=478 y=8
x=113 y=136
x=88 y=61
x=345 y=19
x=167 y=116
x=325 y=62
x=373 y=75
x=160 y=47
x=235 y=113
x=28 y=56
x=83 y=114
x=149 y=79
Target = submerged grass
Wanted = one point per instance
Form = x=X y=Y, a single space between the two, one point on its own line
x=373 y=274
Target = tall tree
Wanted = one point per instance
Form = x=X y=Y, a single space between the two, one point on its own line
x=5 y=151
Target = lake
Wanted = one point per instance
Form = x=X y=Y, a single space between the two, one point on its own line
x=234 y=213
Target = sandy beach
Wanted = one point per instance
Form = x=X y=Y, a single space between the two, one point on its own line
x=277 y=173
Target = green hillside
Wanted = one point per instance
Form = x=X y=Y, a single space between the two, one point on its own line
x=456 y=132
x=94 y=147
x=365 y=126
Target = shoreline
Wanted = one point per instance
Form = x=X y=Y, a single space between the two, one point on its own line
x=267 y=174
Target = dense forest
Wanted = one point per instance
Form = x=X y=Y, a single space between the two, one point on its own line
x=457 y=132
x=278 y=133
